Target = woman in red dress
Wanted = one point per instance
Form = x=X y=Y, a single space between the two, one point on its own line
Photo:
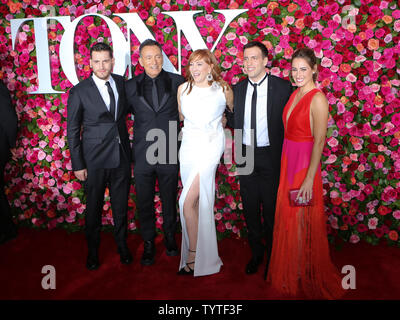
x=300 y=262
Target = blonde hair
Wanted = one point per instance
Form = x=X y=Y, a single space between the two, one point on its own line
x=209 y=58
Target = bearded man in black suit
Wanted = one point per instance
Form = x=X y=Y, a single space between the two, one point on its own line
x=100 y=149
x=152 y=97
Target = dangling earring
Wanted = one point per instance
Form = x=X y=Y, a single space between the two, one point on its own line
x=209 y=77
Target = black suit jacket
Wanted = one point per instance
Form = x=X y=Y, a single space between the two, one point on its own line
x=279 y=92
x=146 y=118
x=98 y=146
x=8 y=124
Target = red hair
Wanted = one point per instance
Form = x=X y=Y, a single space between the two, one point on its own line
x=209 y=58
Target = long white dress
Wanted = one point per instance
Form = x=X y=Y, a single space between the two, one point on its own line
x=203 y=143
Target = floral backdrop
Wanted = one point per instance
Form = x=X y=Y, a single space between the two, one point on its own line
x=358 y=48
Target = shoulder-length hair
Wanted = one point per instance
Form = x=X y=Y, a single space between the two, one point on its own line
x=209 y=58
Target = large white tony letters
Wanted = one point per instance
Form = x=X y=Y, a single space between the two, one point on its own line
x=184 y=24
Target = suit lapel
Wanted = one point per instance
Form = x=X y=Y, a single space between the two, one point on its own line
x=270 y=103
x=119 y=86
x=242 y=103
x=167 y=90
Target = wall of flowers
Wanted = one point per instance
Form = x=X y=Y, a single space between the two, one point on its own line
x=358 y=45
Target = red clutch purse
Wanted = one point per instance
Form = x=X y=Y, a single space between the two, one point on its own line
x=299 y=202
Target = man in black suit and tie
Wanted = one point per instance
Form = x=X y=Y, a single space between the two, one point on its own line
x=8 y=135
x=258 y=104
x=101 y=154
x=152 y=97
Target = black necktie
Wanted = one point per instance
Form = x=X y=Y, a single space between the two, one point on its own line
x=253 y=121
x=112 y=99
x=154 y=94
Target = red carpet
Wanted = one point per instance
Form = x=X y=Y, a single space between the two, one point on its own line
x=22 y=259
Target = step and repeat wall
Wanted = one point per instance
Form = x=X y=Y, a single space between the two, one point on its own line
x=44 y=51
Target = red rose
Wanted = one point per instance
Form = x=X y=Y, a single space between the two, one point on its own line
x=326 y=17
x=353 y=221
x=318 y=37
x=76 y=185
x=383 y=211
x=220 y=204
x=220 y=227
x=253 y=30
x=230 y=179
x=209 y=9
x=378 y=232
x=391 y=73
x=365 y=114
x=364 y=9
x=276 y=12
x=354 y=110
x=3 y=10
x=346 y=219
x=393 y=235
x=308 y=21
x=362 y=228
x=353 y=166
x=372 y=19
x=298 y=14
x=394 y=142
x=373 y=148
x=336 y=201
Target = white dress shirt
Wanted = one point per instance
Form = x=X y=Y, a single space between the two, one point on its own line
x=101 y=85
x=261 y=115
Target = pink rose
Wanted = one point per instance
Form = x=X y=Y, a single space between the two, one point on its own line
x=334 y=194
x=354 y=238
x=332 y=142
x=396 y=119
x=372 y=223
x=348 y=116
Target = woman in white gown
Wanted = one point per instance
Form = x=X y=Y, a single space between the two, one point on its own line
x=202 y=101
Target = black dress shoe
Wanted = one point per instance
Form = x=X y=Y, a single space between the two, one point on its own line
x=92 y=261
x=184 y=272
x=5 y=237
x=148 y=253
x=252 y=266
x=125 y=256
x=170 y=245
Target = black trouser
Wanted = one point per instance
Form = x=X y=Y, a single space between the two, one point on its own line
x=118 y=181
x=145 y=183
x=259 y=189
x=6 y=223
